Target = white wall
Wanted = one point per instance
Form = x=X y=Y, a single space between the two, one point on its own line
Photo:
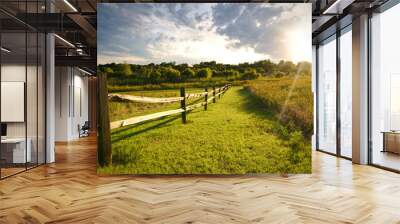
x=61 y=114
x=14 y=73
x=71 y=102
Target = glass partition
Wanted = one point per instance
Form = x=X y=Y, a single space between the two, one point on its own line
x=22 y=88
x=327 y=96
x=13 y=94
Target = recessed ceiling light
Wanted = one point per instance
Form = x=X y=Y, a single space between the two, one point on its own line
x=337 y=7
x=5 y=50
x=86 y=72
x=70 y=5
x=64 y=40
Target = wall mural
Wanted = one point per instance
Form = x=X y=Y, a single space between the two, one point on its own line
x=201 y=88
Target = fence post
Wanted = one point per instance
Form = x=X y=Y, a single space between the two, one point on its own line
x=183 y=105
x=205 y=98
x=104 y=137
x=214 y=94
x=219 y=91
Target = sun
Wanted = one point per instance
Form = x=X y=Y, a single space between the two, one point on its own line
x=298 y=44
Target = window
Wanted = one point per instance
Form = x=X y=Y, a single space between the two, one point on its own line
x=385 y=89
x=327 y=96
x=346 y=92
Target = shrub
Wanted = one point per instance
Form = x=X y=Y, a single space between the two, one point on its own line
x=250 y=74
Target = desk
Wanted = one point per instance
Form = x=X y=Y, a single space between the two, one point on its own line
x=13 y=150
x=391 y=141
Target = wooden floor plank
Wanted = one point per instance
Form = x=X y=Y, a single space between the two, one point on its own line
x=70 y=191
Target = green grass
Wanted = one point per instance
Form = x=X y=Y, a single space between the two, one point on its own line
x=239 y=134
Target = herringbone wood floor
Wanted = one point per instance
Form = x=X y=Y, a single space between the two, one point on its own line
x=69 y=191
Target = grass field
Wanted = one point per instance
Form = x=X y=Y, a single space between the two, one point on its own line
x=241 y=133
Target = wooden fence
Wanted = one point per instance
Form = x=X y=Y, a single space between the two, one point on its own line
x=208 y=97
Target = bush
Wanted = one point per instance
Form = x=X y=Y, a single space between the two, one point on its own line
x=250 y=74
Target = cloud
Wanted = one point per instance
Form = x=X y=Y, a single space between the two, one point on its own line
x=262 y=27
x=225 y=14
x=121 y=30
x=191 y=33
x=118 y=57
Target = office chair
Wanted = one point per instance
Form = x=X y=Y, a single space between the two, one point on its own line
x=84 y=130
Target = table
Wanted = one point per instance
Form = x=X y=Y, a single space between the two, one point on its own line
x=391 y=141
x=13 y=150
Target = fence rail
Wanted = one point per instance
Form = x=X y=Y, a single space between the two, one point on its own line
x=144 y=99
x=183 y=110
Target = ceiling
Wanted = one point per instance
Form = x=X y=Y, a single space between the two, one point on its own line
x=332 y=15
x=75 y=22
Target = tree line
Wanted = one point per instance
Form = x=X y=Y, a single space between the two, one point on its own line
x=172 y=72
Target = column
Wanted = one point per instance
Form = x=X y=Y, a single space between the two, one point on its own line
x=360 y=90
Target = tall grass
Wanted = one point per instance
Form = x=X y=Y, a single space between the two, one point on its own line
x=290 y=97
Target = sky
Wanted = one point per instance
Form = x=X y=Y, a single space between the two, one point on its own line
x=230 y=33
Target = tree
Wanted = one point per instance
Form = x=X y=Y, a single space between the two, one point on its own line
x=172 y=75
x=172 y=72
x=304 y=68
x=108 y=70
x=286 y=67
x=231 y=73
x=168 y=64
x=181 y=67
x=188 y=73
x=144 y=73
x=124 y=69
x=204 y=73
x=155 y=76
